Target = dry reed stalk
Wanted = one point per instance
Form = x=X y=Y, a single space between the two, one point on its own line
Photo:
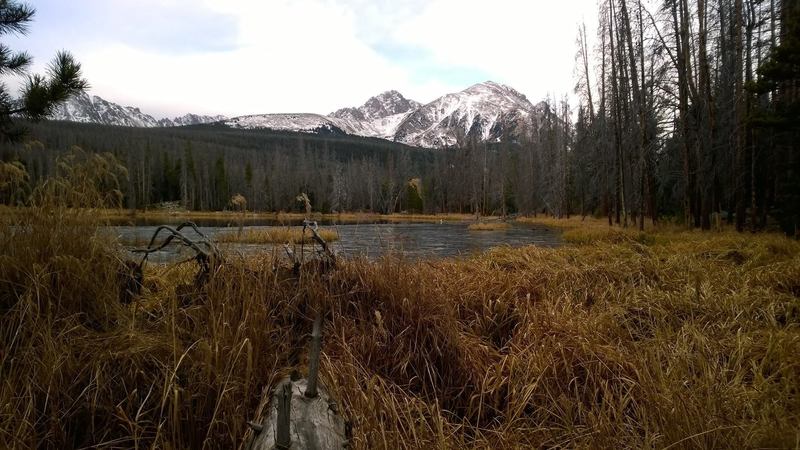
x=276 y=235
x=489 y=226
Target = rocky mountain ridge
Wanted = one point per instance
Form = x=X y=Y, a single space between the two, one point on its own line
x=94 y=109
x=484 y=112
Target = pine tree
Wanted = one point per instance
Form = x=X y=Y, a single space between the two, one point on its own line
x=40 y=94
x=780 y=77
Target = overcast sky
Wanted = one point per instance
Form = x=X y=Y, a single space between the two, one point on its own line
x=237 y=57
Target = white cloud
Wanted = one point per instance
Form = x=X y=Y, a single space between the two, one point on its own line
x=320 y=55
x=527 y=44
x=298 y=56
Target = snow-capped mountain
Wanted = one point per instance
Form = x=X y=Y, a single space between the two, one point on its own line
x=93 y=109
x=190 y=119
x=379 y=116
x=383 y=105
x=488 y=112
x=304 y=123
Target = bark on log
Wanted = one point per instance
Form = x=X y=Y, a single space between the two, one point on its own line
x=315 y=422
x=313 y=357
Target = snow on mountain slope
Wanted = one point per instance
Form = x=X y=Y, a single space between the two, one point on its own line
x=386 y=127
x=379 y=116
x=308 y=123
x=190 y=119
x=93 y=109
x=387 y=104
x=486 y=112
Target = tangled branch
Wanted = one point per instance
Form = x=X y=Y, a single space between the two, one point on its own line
x=206 y=251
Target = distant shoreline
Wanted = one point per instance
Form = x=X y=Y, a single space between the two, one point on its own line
x=354 y=217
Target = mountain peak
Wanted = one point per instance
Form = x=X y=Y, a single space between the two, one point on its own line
x=94 y=109
x=491 y=83
x=496 y=87
x=389 y=93
x=486 y=111
x=385 y=104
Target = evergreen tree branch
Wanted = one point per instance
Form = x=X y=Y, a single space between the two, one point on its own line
x=10 y=61
x=14 y=17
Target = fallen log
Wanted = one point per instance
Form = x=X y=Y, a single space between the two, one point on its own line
x=302 y=414
x=313 y=423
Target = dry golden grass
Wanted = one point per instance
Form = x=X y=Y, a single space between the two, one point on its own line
x=452 y=217
x=275 y=235
x=623 y=340
x=488 y=226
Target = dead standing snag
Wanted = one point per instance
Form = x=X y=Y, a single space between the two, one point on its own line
x=325 y=252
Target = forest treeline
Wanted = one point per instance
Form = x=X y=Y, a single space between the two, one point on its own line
x=203 y=167
x=688 y=111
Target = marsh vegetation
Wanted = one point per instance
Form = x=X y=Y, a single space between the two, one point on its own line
x=274 y=235
x=489 y=226
x=622 y=338
x=661 y=337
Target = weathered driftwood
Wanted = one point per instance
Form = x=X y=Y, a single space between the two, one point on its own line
x=314 y=228
x=207 y=254
x=323 y=259
x=313 y=357
x=314 y=422
x=293 y=258
x=203 y=247
x=302 y=414
x=283 y=438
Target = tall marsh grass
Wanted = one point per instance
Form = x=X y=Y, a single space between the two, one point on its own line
x=489 y=226
x=679 y=340
x=276 y=235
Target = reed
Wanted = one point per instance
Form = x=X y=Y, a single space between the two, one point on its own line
x=275 y=235
x=675 y=339
x=489 y=226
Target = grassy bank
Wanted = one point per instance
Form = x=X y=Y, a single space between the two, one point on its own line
x=488 y=226
x=622 y=339
x=234 y=217
x=276 y=235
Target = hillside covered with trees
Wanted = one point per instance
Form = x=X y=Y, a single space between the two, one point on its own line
x=688 y=111
x=202 y=167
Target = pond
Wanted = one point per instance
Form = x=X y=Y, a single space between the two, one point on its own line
x=414 y=240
